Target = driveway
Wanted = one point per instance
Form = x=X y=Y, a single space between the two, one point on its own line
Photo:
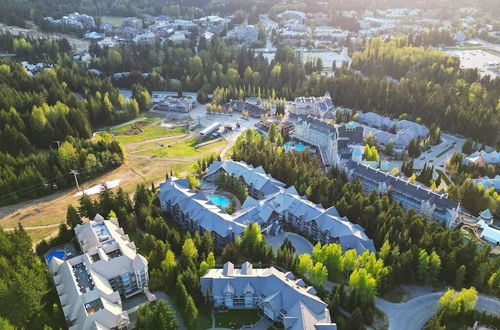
x=301 y=244
x=414 y=314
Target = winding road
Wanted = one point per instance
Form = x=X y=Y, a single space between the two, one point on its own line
x=414 y=314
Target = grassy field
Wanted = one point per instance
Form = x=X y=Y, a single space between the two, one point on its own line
x=130 y=135
x=113 y=20
x=236 y=318
x=145 y=163
x=183 y=147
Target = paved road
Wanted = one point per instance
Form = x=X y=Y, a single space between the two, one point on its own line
x=414 y=314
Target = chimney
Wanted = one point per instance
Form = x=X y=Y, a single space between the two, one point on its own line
x=228 y=269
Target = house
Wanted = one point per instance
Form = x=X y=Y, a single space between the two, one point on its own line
x=483 y=158
x=91 y=286
x=253 y=110
x=129 y=32
x=292 y=14
x=320 y=134
x=434 y=205
x=133 y=22
x=73 y=20
x=488 y=182
x=178 y=37
x=183 y=24
x=147 y=38
x=373 y=119
x=330 y=34
x=269 y=203
x=247 y=34
x=489 y=233
x=314 y=106
x=213 y=24
x=280 y=296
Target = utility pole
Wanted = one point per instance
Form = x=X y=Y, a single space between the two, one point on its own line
x=75 y=173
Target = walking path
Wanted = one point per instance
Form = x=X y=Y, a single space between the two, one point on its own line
x=163 y=296
x=415 y=313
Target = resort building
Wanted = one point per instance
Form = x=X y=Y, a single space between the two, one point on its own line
x=269 y=204
x=434 y=205
x=194 y=211
x=176 y=104
x=259 y=183
x=319 y=134
x=350 y=138
x=91 y=285
x=280 y=296
x=401 y=133
x=253 y=110
x=311 y=106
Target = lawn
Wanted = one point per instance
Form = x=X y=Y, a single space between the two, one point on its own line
x=236 y=318
x=130 y=135
x=181 y=148
x=113 y=20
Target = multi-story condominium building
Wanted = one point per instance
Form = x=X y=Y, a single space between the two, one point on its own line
x=399 y=132
x=280 y=296
x=91 y=285
x=259 y=183
x=272 y=204
x=349 y=135
x=195 y=212
x=434 y=205
x=320 y=134
x=311 y=106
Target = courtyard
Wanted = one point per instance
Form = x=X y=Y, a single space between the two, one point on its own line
x=301 y=244
x=236 y=318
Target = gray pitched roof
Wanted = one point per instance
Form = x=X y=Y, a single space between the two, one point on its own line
x=410 y=190
x=277 y=201
x=299 y=303
x=199 y=208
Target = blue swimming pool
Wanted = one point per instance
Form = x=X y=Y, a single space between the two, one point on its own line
x=290 y=146
x=57 y=253
x=300 y=147
x=220 y=201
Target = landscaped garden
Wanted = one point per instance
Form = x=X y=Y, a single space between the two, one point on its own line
x=236 y=318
